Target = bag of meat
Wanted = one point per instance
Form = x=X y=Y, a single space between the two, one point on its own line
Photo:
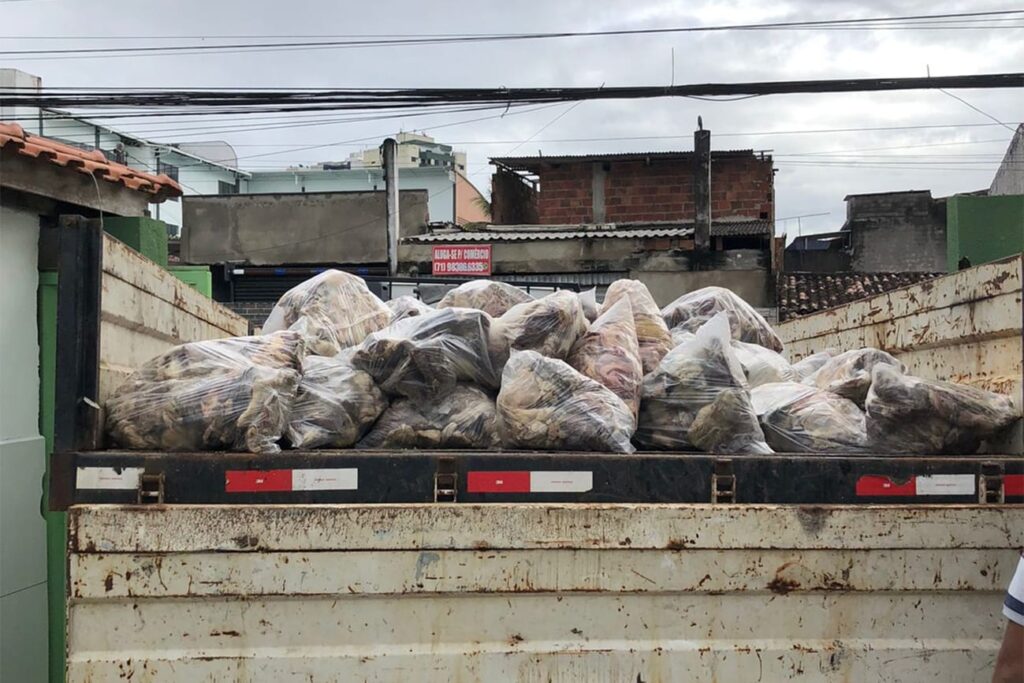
x=221 y=394
x=463 y=418
x=762 y=365
x=588 y=300
x=549 y=325
x=546 y=405
x=406 y=307
x=335 y=405
x=692 y=310
x=490 y=296
x=913 y=415
x=698 y=398
x=812 y=363
x=608 y=352
x=797 y=418
x=426 y=355
x=849 y=373
x=332 y=311
x=651 y=332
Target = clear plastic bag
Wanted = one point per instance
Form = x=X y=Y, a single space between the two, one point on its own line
x=549 y=325
x=336 y=404
x=406 y=307
x=221 y=394
x=608 y=352
x=463 y=418
x=490 y=296
x=651 y=332
x=426 y=355
x=849 y=373
x=808 y=366
x=797 y=418
x=588 y=300
x=332 y=311
x=912 y=415
x=762 y=365
x=546 y=405
x=698 y=398
x=692 y=310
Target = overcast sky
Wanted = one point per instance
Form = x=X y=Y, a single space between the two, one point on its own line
x=944 y=160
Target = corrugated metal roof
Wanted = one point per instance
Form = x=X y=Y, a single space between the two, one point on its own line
x=531 y=163
x=533 y=233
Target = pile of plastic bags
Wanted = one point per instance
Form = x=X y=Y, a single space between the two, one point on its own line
x=493 y=368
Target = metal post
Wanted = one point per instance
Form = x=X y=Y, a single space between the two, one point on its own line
x=389 y=159
x=702 y=187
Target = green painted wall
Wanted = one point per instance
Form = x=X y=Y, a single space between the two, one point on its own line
x=147 y=236
x=983 y=229
x=195 y=276
x=56 y=522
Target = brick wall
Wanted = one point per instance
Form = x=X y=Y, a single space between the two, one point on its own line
x=899 y=232
x=658 y=191
x=255 y=312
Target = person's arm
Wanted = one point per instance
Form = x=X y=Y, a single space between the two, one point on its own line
x=1010 y=662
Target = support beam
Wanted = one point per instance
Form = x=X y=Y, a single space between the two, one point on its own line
x=702 y=188
x=389 y=158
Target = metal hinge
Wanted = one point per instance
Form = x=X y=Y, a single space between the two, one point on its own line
x=990 y=483
x=151 y=488
x=446 y=481
x=723 y=482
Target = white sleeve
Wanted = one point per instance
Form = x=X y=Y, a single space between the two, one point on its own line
x=1013 y=605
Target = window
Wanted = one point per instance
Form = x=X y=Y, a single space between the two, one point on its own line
x=226 y=188
x=170 y=170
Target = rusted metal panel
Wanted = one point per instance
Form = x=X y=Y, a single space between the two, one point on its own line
x=251 y=528
x=538 y=592
x=145 y=310
x=293 y=574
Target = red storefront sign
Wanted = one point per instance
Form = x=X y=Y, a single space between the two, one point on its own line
x=471 y=260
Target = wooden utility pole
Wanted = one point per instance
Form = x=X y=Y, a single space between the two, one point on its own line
x=389 y=159
x=702 y=187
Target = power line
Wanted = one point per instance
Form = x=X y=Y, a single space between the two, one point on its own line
x=907 y=21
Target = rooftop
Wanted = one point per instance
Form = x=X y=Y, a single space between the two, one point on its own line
x=534 y=233
x=532 y=163
x=806 y=293
x=13 y=138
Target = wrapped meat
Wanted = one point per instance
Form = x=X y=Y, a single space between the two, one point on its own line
x=221 y=394
x=335 y=405
x=332 y=311
x=912 y=415
x=463 y=418
x=549 y=325
x=546 y=405
x=849 y=373
x=797 y=418
x=608 y=352
x=762 y=365
x=692 y=310
x=490 y=296
x=702 y=373
x=588 y=300
x=651 y=331
x=426 y=355
x=406 y=307
x=808 y=366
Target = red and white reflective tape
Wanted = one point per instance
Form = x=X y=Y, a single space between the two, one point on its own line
x=925 y=485
x=523 y=481
x=108 y=478
x=265 y=481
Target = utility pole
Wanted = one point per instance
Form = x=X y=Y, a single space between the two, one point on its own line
x=389 y=158
x=702 y=187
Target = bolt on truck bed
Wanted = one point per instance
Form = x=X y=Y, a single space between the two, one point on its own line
x=443 y=566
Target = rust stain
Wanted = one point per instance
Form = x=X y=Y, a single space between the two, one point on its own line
x=707 y=577
x=231 y=633
x=515 y=639
x=677 y=544
x=108 y=583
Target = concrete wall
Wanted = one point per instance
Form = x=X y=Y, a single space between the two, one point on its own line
x=513 y=200
x=753 y=286
x=1009 y=179
x=439 y=184
x=897 y=232
x=983 y=229
x=277 y=229
x=23 y=615
x=658 y=190
x=824 y=261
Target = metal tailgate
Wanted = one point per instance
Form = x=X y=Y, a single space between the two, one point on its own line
x=527 y=592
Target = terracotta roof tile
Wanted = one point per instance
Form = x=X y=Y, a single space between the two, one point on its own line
x=806 y=293
x=89 y=162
